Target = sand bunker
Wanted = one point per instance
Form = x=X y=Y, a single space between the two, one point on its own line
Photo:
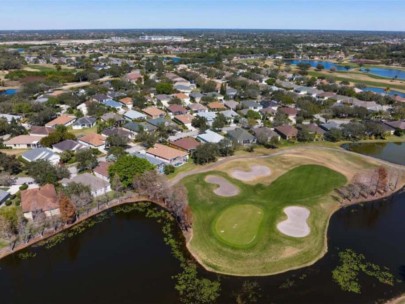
x=225 y=187
x=255 y=172
x=296 y=223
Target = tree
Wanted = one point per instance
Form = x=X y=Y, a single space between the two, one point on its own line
x=353 y=131
x=280 y=119
x=127 y=167
x=226 y=147
x=205 y=153
x=200 y=123
x=164 y=88
x=44 y=172
x=9 y=163
x=304 y=135
x=219 y=122
x=320 y=66
x=67 y=210
x=79 y=194
x=116 y=141
x=169 y=169
x=60 y=134
x=86 y=160
x=334 y=135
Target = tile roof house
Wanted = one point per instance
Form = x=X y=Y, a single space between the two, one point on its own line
x=23 y=142
x=134 y=77
x=287 y=132
x=41 y=154
x=231 y=104
x=63 y=120
x=177 y=109
x=101 y=171
x=183 y=97
x=41 y=131
x=93 y=140
x=188 y=144
x=43 y=199
x=97 y=185
x=241 y=137
x=67 y=145
x=216 y=106
x=396 y=124
x=154 y=112
x=184 y=119
x=84 y=122
x=197 y=108
x=169 y=155
x=210 y=137
x=127 y=101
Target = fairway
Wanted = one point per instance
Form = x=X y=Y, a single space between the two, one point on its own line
x=239 y=225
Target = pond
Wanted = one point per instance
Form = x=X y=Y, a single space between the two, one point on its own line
x=391 y=151
x=124 y=260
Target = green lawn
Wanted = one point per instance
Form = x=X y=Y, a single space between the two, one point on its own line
x=255 y=246
x=238 y=225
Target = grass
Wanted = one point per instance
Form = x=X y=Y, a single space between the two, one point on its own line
x=271 y=252
x=239 y=225
x=81 y=132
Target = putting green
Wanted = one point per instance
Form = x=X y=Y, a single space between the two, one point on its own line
x=239 y=225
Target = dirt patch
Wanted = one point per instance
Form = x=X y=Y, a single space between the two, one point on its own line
x=296 y=223
x=225 y=188
x=255 y=172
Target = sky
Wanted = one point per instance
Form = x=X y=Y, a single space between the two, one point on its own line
x=240 y=14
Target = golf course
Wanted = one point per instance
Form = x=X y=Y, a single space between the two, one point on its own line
x=271 y=224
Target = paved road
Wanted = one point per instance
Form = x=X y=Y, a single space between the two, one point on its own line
x=212 y=166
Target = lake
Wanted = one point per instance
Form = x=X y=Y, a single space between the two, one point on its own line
x=383 y=92
x=387 y=73
x=124 y=260
x=391 y=151
x=313 y=63
x=8 y=92
x=382 y=72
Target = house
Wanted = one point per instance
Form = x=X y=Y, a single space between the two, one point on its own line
x=101 y=171
x=183 y=88
x=134 y=115
x=4 y=195
x=169 y=155
x=43 y=199
x=231 y=104
x=287 y=132
x=188 y=144
x=216 y=106
x=41 y=154
x=209 y=116
x=159 y=164
x=84 y=122
x=316 y=130
x=184 y=119
x=113 y=104
x=67 y=145
x=41 y=131
x=177 y=109
x=397 y=125
x=272 y=104
x=136 y=127
x=231 y=92
x=98 y=186
x=100 y=98
x=230 y=115
x=210 y=137
x=196 y=96
x=154 y=112
x=63 y=120
x=118 y=132
x=183 y=97
x=158 y=121
x=290 y=112
x=117 y=118
x=163 y=99
x=93 y=140
x=215 y=95
x=197 y=108
x=134 y=77
x=9 y=117
x=241 y=137
x=264 y=134
x=23 y=142
x=127 y=102
x=251 y=105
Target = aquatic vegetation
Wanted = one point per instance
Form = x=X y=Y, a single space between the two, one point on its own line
x=351 y=265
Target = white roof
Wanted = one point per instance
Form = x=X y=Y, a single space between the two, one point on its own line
x=210 y=137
